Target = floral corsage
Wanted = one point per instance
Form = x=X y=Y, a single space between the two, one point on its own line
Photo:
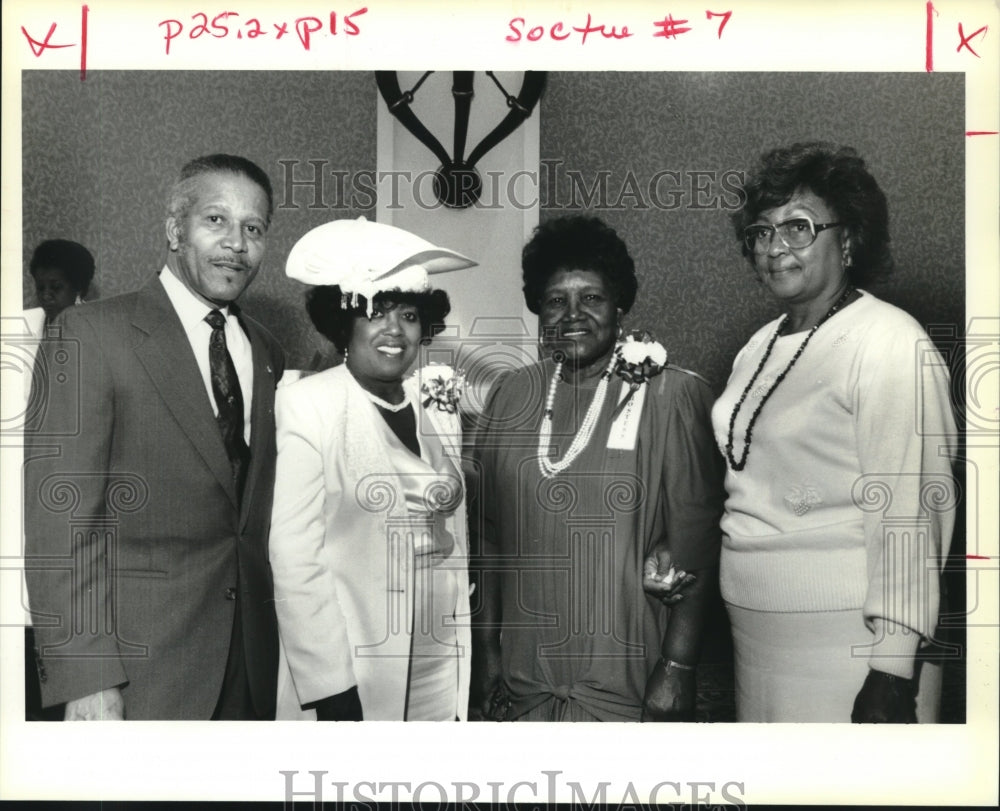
x=640 y=357
x=441 y=386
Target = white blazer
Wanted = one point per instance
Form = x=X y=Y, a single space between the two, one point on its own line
x=347 y=502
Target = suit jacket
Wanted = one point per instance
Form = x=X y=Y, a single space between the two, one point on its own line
x=135 y=538
x=347 y=516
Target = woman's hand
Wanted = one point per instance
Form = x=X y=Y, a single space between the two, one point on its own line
x=670 y=693
x=885 y=699
x=661 y=579
x=344 y=706
x=496 y=707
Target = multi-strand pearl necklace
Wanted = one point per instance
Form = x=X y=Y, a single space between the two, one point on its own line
x=548 y=467
x=739 y=464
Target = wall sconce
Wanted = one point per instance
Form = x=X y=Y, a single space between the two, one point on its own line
x=457 y=182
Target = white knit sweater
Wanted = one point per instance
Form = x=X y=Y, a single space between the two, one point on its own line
x=847 y=500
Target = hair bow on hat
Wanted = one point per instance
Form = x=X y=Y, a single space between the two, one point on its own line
x=366 y=258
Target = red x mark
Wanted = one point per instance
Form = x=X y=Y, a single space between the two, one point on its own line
x=966 y=39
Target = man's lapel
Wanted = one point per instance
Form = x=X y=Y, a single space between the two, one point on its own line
x=166 y=355
x=262 y=410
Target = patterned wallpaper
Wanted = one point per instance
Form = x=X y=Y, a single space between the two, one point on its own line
x=697 y=293
x=99 y=157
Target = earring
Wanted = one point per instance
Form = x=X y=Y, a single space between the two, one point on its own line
x=78 y=301
x=546 y=335
x=621 y=330
x=847 y=259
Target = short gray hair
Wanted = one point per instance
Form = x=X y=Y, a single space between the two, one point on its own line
x=182 y=193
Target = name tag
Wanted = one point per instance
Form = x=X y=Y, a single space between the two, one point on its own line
x=625 y=428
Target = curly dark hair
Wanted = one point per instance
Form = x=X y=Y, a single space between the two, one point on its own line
x=335 y=323
x=837 y=175
x=75 y=261
x=577 y=243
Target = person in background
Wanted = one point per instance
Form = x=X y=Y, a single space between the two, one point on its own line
x=368 y=534
x=62 y=271
x=600 y=482
x=149 y=471
x=839 y=437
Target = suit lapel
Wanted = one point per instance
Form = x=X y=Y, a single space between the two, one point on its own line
x=261 y=410
x=166 y=355
x=435 y=436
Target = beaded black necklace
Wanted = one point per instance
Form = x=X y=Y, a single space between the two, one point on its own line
x=742 y=462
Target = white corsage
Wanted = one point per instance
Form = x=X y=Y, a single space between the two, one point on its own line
x=640 y=357
x=441 y=387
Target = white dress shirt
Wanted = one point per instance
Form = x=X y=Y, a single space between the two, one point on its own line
x=192 y=311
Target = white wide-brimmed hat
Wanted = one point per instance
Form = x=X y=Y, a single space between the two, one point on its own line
x=366 y=258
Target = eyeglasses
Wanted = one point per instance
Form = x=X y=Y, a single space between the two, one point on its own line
x=796 y=233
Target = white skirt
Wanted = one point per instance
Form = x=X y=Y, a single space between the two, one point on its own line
x=432 y=688
x=809 y=666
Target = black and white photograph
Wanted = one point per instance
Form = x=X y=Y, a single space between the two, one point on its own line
x=630 y=365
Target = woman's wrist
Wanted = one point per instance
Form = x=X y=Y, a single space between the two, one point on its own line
x=668 y=664
x=894 y=649
x=891 y=679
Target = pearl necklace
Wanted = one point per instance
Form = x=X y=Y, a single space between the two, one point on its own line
x=548 y=467
x=387 y=405
x=741 y=463
x=374 y=398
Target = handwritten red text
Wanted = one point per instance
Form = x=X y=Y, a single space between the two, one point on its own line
x=725 y=18
x=963 y=41
x=39 y=47
x=227 y=24
x=670 y=28
x=558 y=31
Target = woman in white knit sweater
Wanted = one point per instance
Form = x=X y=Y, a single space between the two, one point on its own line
x=839 y=436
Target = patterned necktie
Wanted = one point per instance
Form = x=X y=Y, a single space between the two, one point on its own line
x=228 y=399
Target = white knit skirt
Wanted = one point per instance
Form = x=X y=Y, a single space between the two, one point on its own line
x=799 y=667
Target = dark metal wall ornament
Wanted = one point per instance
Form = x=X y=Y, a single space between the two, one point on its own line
x=457 y=182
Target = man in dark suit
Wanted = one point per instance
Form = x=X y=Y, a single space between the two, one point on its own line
x=149 y=475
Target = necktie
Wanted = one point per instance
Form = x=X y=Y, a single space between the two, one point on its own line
x=228 y=399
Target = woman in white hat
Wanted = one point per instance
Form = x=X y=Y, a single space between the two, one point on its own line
x=368 y=537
